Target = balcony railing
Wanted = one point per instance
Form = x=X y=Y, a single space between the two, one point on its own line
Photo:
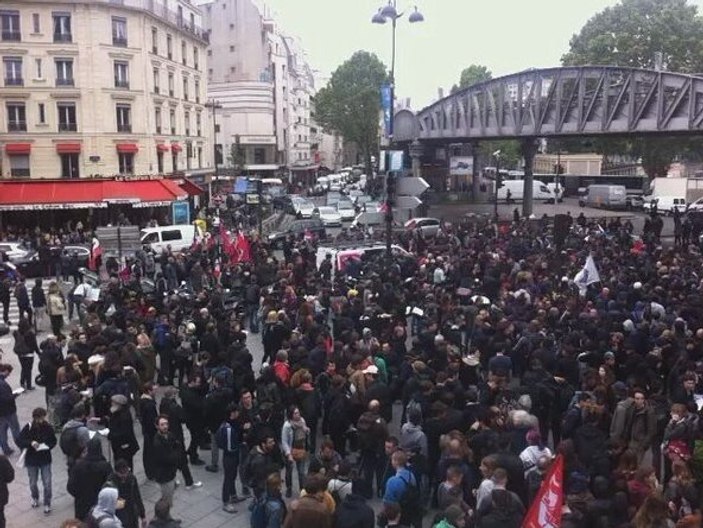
x=19 y=173
x=124 y=127
x=63 y=37
x=11 y=36
x=63 y=81
x=14 y=81
x=17 y=126
x=121 y=83
x=119 y=41
x=68 y=127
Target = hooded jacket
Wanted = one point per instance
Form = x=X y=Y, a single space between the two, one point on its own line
x=104 y=510
x=413 y=439
x=87 y=476
x=353 y=512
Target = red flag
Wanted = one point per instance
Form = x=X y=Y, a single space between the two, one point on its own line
x=95 y=253
x=545 y=511
x=226 y=241
x=242 y=248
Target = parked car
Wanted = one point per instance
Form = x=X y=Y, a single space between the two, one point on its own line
x=29 y=266
x=429 y=227
x=303 y=207
x=333 y=197
x=329 y=215
x=13 y=250
x=346 y=210
x=634 y=201
x=297 y=228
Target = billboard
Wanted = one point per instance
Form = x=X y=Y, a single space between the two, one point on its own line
x=461 y=166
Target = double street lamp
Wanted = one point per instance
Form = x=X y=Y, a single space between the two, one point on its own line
x=384 y=14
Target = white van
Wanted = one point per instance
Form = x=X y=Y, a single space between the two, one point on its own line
x=540 y=192
x=606 y=196
x=179 y=237
x=667 y=204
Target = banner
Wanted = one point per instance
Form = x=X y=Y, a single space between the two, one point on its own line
x=387 y=107
x=545 y=510
x=587 y=276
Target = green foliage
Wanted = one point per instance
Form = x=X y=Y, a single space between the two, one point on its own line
x=236 y=156
x=474 y=74
x=510 y=153
x=628 y=35
x=350 y=102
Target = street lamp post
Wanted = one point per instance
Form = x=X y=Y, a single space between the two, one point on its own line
x=385 y=13
x=214 y=105
x=496 y=155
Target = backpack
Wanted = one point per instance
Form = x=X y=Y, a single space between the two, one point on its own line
x=259 y=516
x=410 y=502
x=415 y=407
x=92 y=522
x=335 y=493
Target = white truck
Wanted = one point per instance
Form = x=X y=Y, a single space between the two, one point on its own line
x=540 y=192
x=668 y=194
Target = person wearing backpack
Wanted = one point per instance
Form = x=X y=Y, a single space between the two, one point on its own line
x=74 y=435
x=404 y=490
x=103 y=514
x=87 y=476
x=228 y=439
x=269 y=510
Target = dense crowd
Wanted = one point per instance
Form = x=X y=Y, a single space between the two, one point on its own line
x=442 y=383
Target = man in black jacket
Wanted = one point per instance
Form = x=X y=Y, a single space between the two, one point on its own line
x=216 y=403
x=8 y=411
x=147 y=417
x=167 y=455
x=260 y=464
x=7 y=475
x=169 y=407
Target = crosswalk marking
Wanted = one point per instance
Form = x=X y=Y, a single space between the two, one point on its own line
x=14 y=311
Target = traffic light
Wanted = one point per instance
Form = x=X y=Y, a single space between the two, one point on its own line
x=391 y=192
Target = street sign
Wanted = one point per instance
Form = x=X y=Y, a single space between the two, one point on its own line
x=411 y=186
x=407 y=202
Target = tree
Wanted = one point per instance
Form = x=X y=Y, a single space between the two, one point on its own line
x=474 y=74
x=350 y=103
x=236 y=157
x=629 y=34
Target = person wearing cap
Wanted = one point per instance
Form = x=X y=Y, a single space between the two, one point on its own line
x=38 y=438
x=124 y=443
x=378 y=390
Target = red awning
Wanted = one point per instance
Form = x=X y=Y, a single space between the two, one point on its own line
x=175 y=147
x=161 y=147
x=68 y=148
x=84 y=193
x=18 y=148
x=191 y=188
x=127 y=148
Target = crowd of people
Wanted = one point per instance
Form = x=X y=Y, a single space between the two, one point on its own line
x=442 y=384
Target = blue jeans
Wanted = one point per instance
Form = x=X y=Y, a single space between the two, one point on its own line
x=33 y=472
x=14 y=426
x=252 y=313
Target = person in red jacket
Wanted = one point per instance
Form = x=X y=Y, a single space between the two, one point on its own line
x=281 y=367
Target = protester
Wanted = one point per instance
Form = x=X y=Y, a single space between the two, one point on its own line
x=38 y=438
x=87 y=476
x=7 y=475
x=132 y=513
x=104 y=513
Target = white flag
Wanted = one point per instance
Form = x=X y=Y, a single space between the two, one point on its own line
x=587 y=276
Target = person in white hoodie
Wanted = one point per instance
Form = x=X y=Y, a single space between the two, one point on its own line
x=104 y=511
x=534 y=451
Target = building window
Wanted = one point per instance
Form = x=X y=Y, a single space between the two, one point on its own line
x=169 y=46
x=187 y=123
x=16 y=117
x=200 y=157
x=159 y=162
x=197 y=91
x=36 y=25
x=154 y=41
x=232 y=69
x=64 y=72
x=231 y=26
x=259 y=156
x=198 y=122
x=157 y=119
x=124 y=119
x=231 y=49
x=69 y=166
x=172 y=121
x=67 y=117
x=19 y=165
x=170 y=84
x=209 y=53
x=62 y=27
x=10 y=26
x=119 y=31
x=42 y=114
x=38 y=64
x=126 y=162
x=121 y=74
x=184 y=53
x=189 y=154
x=13 y=71
x=185 y=88
x=174 y=161
x=156 y=80
x=196 y=58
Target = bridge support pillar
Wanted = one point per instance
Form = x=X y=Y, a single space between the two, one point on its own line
x=529 y=149
x=475 y=175
x=416 y=150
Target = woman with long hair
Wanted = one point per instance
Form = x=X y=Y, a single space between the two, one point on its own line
x=654 y=513
x=295 y=435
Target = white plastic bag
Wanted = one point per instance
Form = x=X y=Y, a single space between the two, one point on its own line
x=20 y=460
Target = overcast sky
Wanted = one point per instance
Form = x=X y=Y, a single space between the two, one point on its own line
x=505 y=35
